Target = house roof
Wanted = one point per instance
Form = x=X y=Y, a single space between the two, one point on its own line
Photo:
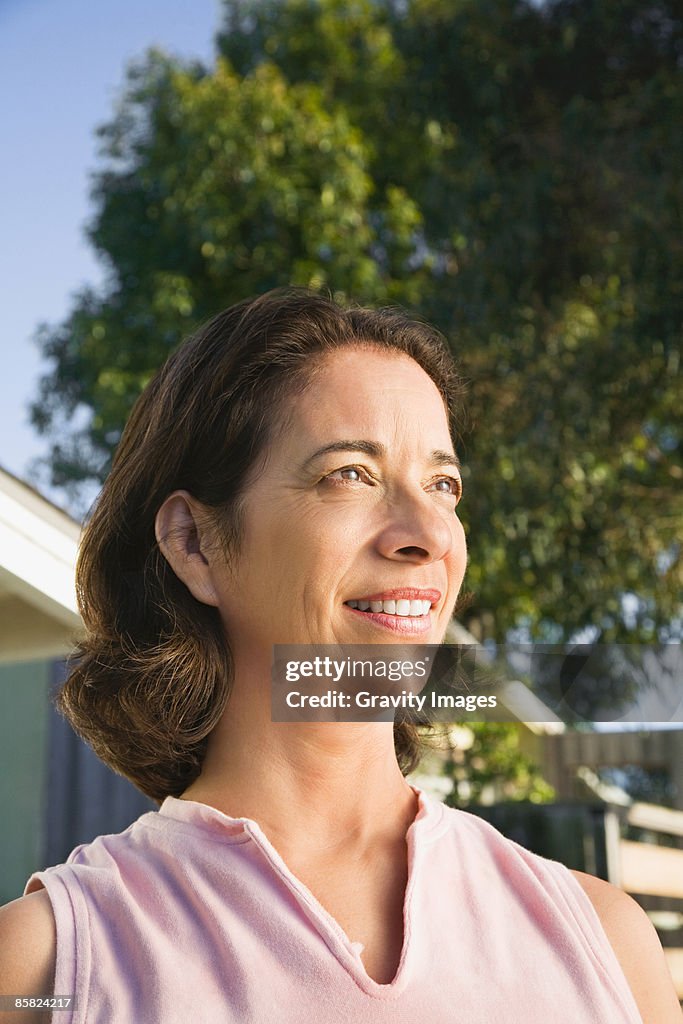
x=38 y=545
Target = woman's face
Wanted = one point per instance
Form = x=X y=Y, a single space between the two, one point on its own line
x=356 y=506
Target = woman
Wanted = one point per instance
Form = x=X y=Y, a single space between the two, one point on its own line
x=291 y=462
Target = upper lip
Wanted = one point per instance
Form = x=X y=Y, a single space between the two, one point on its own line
x=402 y=594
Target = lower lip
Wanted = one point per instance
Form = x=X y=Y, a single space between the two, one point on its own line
x=402 y=624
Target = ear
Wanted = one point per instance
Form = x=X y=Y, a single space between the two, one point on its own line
x=182 y=534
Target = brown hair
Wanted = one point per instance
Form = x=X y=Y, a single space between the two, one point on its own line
x=151 y=678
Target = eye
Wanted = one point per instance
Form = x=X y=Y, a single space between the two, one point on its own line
x=448 y=485
x=348 y=474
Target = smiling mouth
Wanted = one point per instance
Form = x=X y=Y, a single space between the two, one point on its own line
x=403 y=607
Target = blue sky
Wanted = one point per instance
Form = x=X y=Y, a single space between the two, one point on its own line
x=61 y=70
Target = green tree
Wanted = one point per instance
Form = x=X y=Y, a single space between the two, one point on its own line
x=507 y=170
x=489 y=766
x=215 y=187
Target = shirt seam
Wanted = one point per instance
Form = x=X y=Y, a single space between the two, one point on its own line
x=592 y=929
x=191 y=828
x=82 y=1014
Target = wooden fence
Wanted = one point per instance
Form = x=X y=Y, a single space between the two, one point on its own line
x=650 y=872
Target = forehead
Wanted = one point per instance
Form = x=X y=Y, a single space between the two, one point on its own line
x=363 y=387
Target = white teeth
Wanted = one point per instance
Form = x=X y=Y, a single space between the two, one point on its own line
x=403 y=607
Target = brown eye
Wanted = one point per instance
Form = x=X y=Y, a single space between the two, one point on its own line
x=449 y=485
x=348 y=474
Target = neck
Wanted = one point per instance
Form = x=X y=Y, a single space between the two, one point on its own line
x=326 y=781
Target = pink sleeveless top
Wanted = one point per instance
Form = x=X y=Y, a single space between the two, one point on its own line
x=192 y=916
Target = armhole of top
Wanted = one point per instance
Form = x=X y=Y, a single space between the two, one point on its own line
x=580 y=906
x=577 y=905
x=72 y=953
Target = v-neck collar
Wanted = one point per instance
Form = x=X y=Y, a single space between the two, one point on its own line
x=424 y=828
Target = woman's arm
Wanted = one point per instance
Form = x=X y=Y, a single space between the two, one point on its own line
x=636 y=945
x=27 y=953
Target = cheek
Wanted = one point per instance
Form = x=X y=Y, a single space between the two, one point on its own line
x=299 y=555
x=457 y=562
x=460 y=539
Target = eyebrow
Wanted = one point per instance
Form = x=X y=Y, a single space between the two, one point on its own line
x=377 y=451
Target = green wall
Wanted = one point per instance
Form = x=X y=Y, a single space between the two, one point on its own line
x=24 y=707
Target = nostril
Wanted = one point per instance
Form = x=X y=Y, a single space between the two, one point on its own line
x=413 y=551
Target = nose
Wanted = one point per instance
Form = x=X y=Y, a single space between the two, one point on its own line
x=417 y=529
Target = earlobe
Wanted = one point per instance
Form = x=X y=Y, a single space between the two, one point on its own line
x=180 y=526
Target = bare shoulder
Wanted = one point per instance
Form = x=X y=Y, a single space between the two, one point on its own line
x=27 y=947
x=637 y=948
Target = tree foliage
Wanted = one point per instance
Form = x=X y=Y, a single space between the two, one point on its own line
x=508 y=170
x=490 y=766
